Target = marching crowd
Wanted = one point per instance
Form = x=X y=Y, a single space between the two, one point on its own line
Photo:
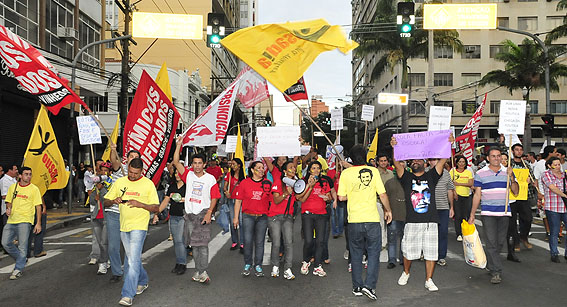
x=405 y=206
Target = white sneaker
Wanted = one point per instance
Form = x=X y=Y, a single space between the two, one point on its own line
x=141 y=288
x=346 y=254
x=275 y=271
x=305 y=267
x=429 y=285
x=101 y=269
x=125 y=301
x=92 y=261
x=15 y=274
x=195 y=276
x=204 y=278
x=403 y=280
x=318 y=271
x=460 y=239
x=108 y=264
x=287 y=274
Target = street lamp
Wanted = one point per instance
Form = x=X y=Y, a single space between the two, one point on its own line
x=528 y=126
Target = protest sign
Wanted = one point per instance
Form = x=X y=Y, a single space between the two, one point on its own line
x=89 y=131
x=221 y=150
x=337 y=119
x=512 y=117
x=305 y=149
x=278 y=141
x=422 y=145
x=367 y=113
x=439 y=118
x=522 y=179
x=231 y=143
x=454 y=145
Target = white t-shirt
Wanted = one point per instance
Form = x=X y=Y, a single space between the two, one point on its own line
x=5 y=184
x=539 y=169
x=88 y=180
x=198 y=192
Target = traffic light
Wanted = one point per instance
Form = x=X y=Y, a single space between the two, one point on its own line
x=549 y=122
x=215 y=29
x=406 y=18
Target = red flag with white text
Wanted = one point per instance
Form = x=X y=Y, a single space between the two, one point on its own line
x=35 y=73
x=298 y=91
x=465 y=142
x=150 y=127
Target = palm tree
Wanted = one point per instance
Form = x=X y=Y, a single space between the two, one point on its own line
x=560 y=31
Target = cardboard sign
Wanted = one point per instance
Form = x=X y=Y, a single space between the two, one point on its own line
x=231 y=143
x=89 y=131
x=367 y=113
x=337 y=119
x=512 y=116
x=522 y=176
x=422 y=145
x=439 y=118
x=278 y=141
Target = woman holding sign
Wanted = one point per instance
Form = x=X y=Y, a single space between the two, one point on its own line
x=554 y=186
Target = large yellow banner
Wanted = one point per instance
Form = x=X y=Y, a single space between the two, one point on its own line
x=43 y=156
x=522 y=176
x=281 y=53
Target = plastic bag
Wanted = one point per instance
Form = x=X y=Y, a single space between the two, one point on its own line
x=474 y=253
x=223 y=218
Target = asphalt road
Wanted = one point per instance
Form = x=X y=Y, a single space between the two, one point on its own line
x=63 y=278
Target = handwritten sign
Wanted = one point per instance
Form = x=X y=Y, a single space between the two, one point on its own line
x=512 y=116
x=89 y=131
x=422 y=145
x=439 y=118
x=522 y=178
x=367 y=113
x=337 y=119
x=221 y=150
x=278 y=141
x=231 y=143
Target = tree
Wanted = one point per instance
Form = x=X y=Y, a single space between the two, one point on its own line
x=560 y=31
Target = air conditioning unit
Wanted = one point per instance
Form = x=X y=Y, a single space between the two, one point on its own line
x=67 y=33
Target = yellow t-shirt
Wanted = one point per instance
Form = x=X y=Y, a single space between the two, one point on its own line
x=23 y=206
x=142 y=190
x=361 y=184
x=462 y=177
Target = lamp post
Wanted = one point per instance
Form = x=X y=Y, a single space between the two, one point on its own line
x=528 y=125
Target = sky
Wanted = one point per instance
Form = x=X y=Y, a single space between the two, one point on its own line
x=330 y=74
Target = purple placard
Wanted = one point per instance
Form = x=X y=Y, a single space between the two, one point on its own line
x=422 y=145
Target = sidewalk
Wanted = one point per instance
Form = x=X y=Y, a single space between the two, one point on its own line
x=58 y=217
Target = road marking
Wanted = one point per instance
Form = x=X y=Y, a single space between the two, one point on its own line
x=267 y=253
x=67 y=233
x=545 y=245
x=31 y=261
x=82 y=233
x=67 y=243
x=154 y=251
x=214 y=246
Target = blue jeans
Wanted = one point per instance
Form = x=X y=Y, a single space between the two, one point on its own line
x=361 y=235
x=136 y=275
x=37 y=239
x=176 y=226
x=113 y=233
x=254 y=229
x=443 y=232
x=20 y=231
x=554 y=219
x=395 y=235
x=337 y=220
x=234 y=232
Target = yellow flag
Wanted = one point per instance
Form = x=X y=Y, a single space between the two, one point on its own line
x=43 y=156
x=113 y=138
x=239 y=153
x=373 y=150
x=281 y=53
x=162 y=81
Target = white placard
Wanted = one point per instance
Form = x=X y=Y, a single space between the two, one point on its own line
x=512 y=116
x=337 y=119
x=367 y=113
x=439 y=118
x=221 y=150
x=391 y=98
x=231 y=143
x=305 y=149
x=278 y=141
x=454 y=145
x=89 y=131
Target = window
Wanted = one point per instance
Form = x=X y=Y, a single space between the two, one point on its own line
x=527 y=0
x=495 y=106
x=416 y=107
x=443 y=52
x=496 y=49
x=470 y=77
x=443 y=79
x=89 y=31
x=496 y=1
x=503 y=22
x=471 y=52
x=21 y=17
x=554 y=22
x=527 y=23
x=558 y=106
x=417 y=79
x=97 y=103
x=533 y=105
x=468 y=106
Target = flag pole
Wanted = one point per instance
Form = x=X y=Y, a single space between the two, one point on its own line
x=365 y=133
x=316 y=125
x=508 y=177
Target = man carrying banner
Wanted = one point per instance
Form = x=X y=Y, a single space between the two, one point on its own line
x=22 y=202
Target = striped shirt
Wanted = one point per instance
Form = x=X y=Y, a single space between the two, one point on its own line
x=493 y=191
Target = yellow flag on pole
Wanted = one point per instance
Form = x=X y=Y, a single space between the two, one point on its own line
x=43 y=156
x=281 y=53
x=373 y=150
x=113 y=138
x=239 y=153
x=162 y=81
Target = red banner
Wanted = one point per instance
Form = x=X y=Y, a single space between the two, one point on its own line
x=465 y=142
x=150 y=127
x=35 y=73
x=298 y=91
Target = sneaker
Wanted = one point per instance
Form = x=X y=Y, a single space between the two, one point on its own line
x=318 y=271
x=442 y=262
x=241 y=249
x=101 y=269
x=460 y=239
x=234 y=246
x=141 y=289
x=275 y=271
x=370 y=293
x=350 y=268
x=43 y=253
x=175 y=268
x=287 y=274
x=496 y=279
x=305 y=267
x=246 y=271
x=16 y=274
x=204 y=278
x=92 y=261
x=125 y=301
x=182 y=269
x=258 y=271
x=345 y=255
x=403 y=280
x=170 y=238
x=357 y=291
x=429 y=285
x=391 y=265
x=115 y=278
x=196 y=276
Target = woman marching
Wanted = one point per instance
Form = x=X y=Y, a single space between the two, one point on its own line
x=463 y=180
x=554 y=187
x=232 y=179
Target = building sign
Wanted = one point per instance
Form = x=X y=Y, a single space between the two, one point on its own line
x=459 y=16
x=173 y=26
x=390 y=98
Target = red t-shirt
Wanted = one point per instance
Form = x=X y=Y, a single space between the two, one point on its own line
x=331 y=173
x=256 y=196
x=216 y=171
x=276 y=173
x=277 y=209
x=314 y=203
x=233 y=183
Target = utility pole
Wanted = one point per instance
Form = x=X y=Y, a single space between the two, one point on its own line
x=430 y=75
x=125 y=71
